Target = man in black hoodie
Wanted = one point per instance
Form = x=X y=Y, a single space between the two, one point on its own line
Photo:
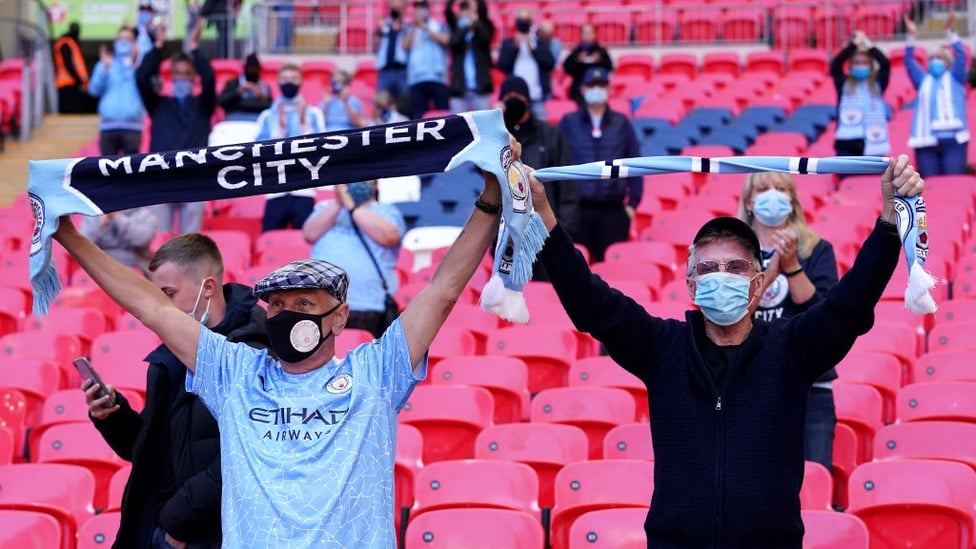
x=470 y=44
x=173 y=492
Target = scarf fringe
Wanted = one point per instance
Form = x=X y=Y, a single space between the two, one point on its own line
x=918 y=296
x=46 y=287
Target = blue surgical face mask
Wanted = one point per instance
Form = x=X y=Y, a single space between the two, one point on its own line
x=144 y=18
x=861 y=72
x=596 y=95
x=772 y=207
x=206 y=312
x=464 y=23
x=723 y=297
x=182 y=88
x=937 y=67
x=123 y=48
x=360 y=192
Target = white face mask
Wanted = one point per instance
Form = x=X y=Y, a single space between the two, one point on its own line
x=206 y=312
x=772 y=207
x=595 y=95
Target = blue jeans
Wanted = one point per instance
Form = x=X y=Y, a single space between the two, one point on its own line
x=159 y=540
x=948 y=157
x=393 y=81
x=819 y=429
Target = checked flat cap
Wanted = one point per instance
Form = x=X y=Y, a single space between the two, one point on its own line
x=306 y=273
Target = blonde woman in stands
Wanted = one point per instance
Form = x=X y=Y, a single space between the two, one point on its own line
x=862 y=114
x=940 y=131
x=800 y=269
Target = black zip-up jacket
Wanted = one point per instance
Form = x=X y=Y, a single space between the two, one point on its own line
x=174 y=443
x=729 y=460
x=175 y=127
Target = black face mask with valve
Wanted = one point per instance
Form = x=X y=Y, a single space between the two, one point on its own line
x=296 y=336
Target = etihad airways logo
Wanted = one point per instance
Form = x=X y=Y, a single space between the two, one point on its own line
x=301 y=423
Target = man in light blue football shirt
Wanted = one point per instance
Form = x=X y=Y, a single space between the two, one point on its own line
x=307 y=440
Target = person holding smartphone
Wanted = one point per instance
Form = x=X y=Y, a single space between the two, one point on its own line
x=172 y=498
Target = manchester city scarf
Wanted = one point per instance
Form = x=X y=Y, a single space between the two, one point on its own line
x=912 y=225
x=99 y=185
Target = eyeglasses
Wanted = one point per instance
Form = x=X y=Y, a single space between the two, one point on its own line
x=734 y=266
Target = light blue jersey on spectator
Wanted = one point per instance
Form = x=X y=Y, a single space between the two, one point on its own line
x=341 y=245
x=428 y=59
x=336 y=117
x=306 y=457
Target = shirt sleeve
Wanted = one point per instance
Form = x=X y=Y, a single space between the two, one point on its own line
x=220 y=367
x=387 y=364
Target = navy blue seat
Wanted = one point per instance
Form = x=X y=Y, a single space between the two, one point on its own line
x=649 y=127
x=413 y=211
x=708 y=119
x=761 y=116
x=451 y=196
x=809 y=128
x=736 y=141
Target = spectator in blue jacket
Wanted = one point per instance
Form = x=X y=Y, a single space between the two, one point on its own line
x=426 y=41
x=119 y=106
x=596 y=132
x=180 y=120
x=940 y=130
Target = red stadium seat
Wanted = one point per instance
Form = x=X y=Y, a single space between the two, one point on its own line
x=31 y=379
x=477 y=321
x=57 y=348
x=116 y=488
x=629 y=441
x=844 y=459
x=546 y=447
x=636 y=64
x=956 y=310
x=29 y=530
x=85 y=323
x=814 y=60
x=602 y=371
x=952 y=336
x=594 y=409
x=915 y=503
x=944 y=440
x=476 y=483
x=349 y=339
x=743 y=24
x=861 y=407
x=547 y=351
x=722 y=62
x=758 y=61
x=506 y=378
x=13 y=412
x=449 y=417
x=235 y=248
x=876 y=20
x=99 y=531
x=119 y=357
x=895 y=339
x=452 y=341
x=879 y=370
x=831 y=530
x=655 y=26
x=698 y=26
x=475 y=529
x=945 y=366
x=65 y=406
x=679 y=63
x=938 y=400
x=659 y=254
x=587 y=486
x=609 y=529
x=61 y=491
x=612 y=28
x=817 y=490
x=406 y=465
x=81 y=444
x=791 y=28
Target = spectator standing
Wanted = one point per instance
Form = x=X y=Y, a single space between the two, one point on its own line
x=289 y=116
x=145 y=30
x=800 y=268
x=180 y=120
x=727 y=392
x=426 y=41
x=528 y=55
x=862 y=114
x=470 y=42
x=940 y=130
x=597 y=133
x=120 y=108
x=172 y=496
x=221 y=14
x=587 y=55
x=391 y=58
x=332 y=231
x=247 y=96
x=125 y=235
x=543 y=146
x=547 y=31
x=307 y=440
x=342 y=110
x=70 y=72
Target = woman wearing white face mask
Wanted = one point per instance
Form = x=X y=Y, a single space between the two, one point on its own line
x=800 y=269
x=862 y=114
x=940 y=130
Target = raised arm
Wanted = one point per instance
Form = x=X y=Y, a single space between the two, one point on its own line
x=422 y=319
x=134 y=293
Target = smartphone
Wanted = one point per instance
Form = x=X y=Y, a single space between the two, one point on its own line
x=86 y=371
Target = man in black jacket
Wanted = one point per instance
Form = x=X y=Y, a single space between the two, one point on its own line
x=247 y=96
x=173 y=492
x=528 y=55
x=543 y=146
x=728 y=392
x=470 y=44
x=180 y=120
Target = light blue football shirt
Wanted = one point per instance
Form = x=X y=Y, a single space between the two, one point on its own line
x=306 y=459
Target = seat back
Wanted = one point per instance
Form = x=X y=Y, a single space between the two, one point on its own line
x=547 y=350
x=29 y=529
x=830 y=530
x=476 y=483
x=594 y=409
x=629 y=441
x=948 y=440
x=602 y=371
x=475 y=529
x=99 y=531
x=449 y=417
x=609 y=529
x=505 y=377
x=817 y=490
x=938 y=400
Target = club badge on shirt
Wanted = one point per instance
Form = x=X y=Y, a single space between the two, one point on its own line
x=340 y=384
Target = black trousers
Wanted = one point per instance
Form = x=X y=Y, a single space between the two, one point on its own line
x=600 y=225
x=371 y=321
x=288 y=210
